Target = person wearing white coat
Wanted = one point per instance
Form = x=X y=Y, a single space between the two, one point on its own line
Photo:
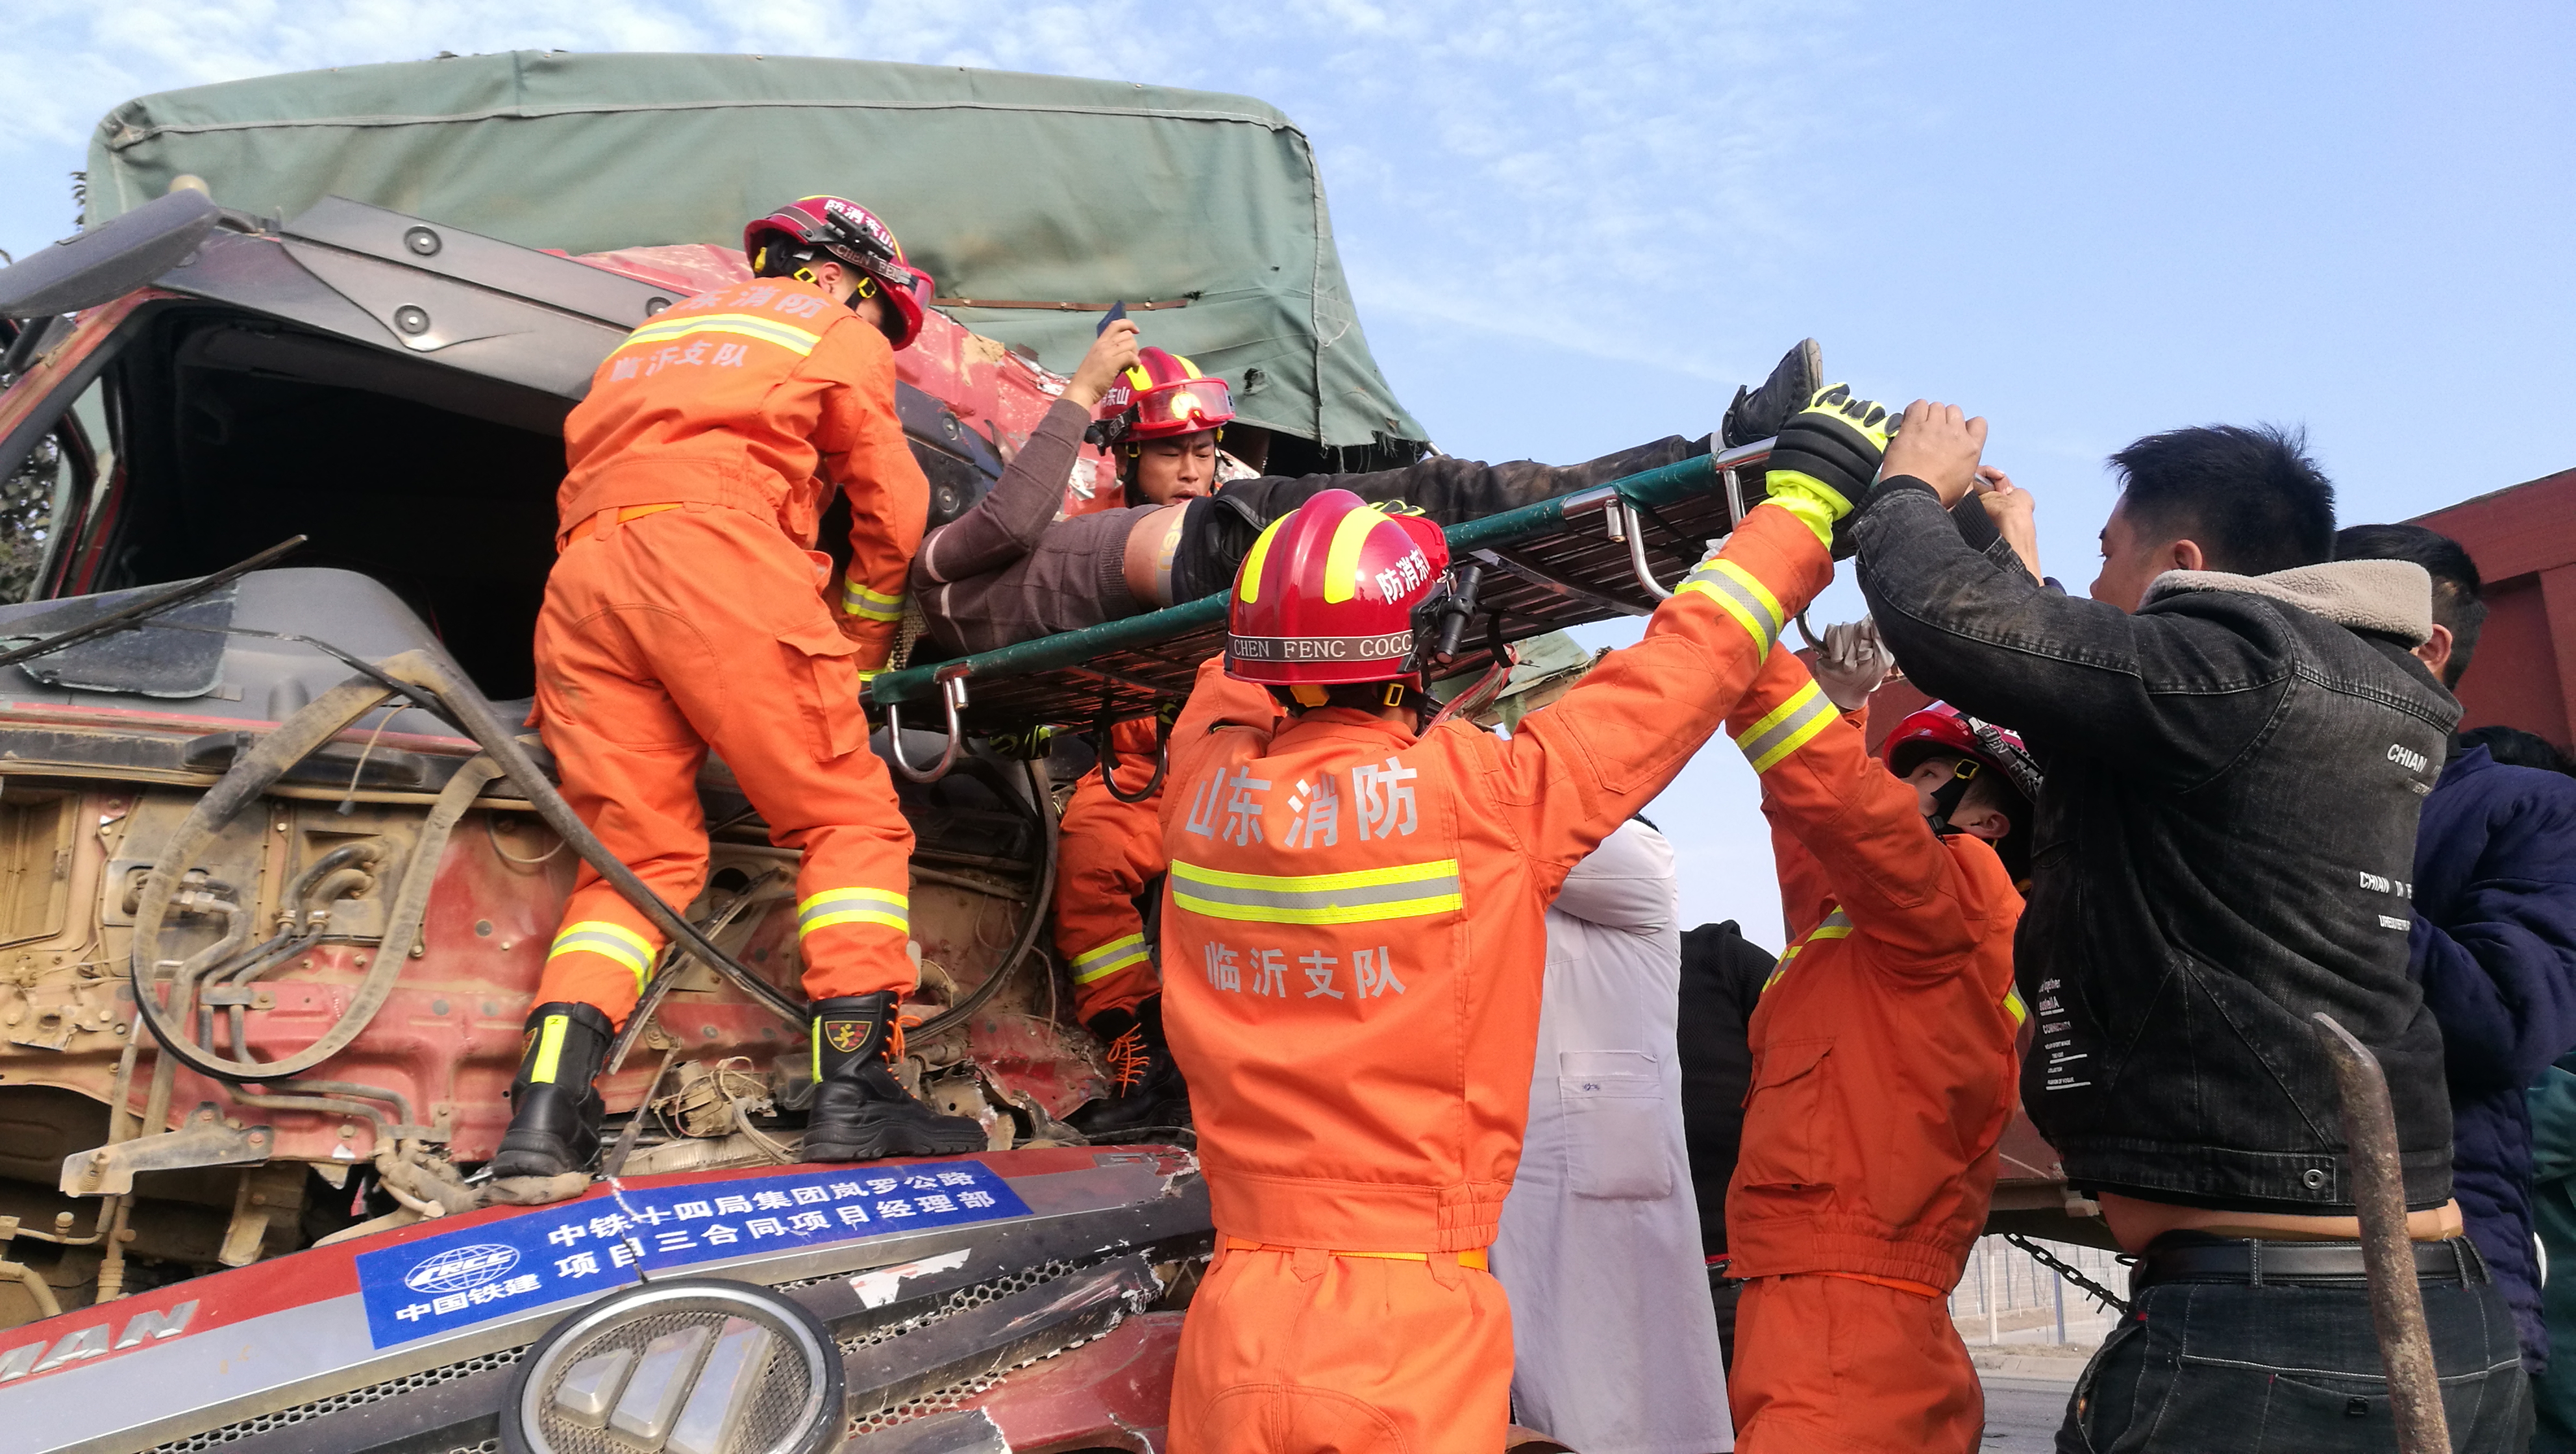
x=1615 y=1347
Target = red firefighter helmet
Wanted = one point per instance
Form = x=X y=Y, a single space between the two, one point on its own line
x=853 y=235
x=1936 y=728
x=1941 y=727
x=1164 y=395
x=1326 y=595
x=1944 y=728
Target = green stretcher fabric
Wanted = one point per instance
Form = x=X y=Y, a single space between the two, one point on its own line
x=1004 y=186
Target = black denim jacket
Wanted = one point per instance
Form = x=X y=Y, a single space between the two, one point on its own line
x=2223 y=847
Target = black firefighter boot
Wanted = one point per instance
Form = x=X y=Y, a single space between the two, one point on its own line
x=861 y=1112
x=1146 y=1091
x=554 y=1109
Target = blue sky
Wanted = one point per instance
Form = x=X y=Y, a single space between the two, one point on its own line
x=1572 y=227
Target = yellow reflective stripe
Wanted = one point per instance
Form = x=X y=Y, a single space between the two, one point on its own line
x=1342 y=557
x=1404 y=891
x=1787 y=727
x=1108 y=959
x=609 y=941
x=1250 y=575
x=550 y=1039
x=859 y=600
x=1836 y=925
x=1744 y=597
x=2014 y=1007
x=788 y=336
x=1314 y=882
x=853 y=906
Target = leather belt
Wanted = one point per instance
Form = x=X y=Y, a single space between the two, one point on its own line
x=2191 y=1257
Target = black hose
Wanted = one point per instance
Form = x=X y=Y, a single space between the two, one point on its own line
x=462 y=706
x=1039 y=901
x=666 y=971
x=250 y=777
x=420 y=679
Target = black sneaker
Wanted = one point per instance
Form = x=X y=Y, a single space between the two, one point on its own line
x=1758 y=413
x=861 y=1112
x=1146 y=1090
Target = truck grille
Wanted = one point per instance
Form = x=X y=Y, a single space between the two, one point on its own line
x=932 y=1402
x=426 y=1378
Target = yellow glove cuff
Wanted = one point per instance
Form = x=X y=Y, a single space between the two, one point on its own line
x=1815 y=503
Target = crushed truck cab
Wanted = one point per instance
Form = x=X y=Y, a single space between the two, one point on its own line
x=279 y=861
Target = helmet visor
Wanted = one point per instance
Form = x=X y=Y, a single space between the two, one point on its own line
x=1185 y=407
x=910 y=281
x=1205 y=402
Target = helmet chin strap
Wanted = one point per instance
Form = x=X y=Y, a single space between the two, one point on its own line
x=1945 y=799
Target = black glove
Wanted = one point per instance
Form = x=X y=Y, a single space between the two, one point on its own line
x=1824 y=466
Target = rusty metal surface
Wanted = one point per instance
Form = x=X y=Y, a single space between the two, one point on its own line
x=448 y=1038
x=1031 y=1054
x=1112 y=1393
x=204 y=1138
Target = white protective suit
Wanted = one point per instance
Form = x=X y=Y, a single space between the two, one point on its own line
x=1614 y=1342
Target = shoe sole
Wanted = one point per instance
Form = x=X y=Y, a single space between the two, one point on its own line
x=1169 y=1113
x=555 y=1160
x=895 y=1141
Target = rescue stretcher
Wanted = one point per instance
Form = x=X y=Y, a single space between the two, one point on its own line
x=1567 y=561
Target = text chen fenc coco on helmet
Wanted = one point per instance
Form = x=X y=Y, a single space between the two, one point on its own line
x=1326 y=596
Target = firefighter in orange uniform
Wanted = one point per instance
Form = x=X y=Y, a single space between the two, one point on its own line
x=1109 y=852
x=1353 y=926
x=687 y=611
x=1883 y=1071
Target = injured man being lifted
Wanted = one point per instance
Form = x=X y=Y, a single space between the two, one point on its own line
x=1009 y=570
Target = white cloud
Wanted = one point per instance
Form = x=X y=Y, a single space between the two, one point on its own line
x=1614 y=157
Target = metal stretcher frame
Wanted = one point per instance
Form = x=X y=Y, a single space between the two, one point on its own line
x=1562 y=562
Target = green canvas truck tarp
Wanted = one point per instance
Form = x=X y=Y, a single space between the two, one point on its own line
x=1005 y=187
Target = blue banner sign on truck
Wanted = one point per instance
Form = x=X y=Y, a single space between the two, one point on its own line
x=541 y=1256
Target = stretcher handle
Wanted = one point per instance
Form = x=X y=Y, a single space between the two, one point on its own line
x=952 y=694
x=1162 y=761
x=1626 y=515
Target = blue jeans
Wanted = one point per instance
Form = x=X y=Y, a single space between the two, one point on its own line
x=2277 y=1369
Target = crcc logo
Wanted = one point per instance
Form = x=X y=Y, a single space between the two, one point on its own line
x=460 y=1268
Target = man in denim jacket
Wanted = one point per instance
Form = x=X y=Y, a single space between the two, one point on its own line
x=2237 y=741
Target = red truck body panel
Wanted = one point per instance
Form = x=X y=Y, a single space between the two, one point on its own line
x=2524 y=542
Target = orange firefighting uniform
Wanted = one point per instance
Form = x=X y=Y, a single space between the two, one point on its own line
x=1883 y=1074
x=687 y=611
x=1353 y=943
x=1106 y=852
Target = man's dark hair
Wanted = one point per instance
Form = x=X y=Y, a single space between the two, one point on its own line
x=2515 y=748
x=2459 y=606
x=2250 y=498
x=1991 y=789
